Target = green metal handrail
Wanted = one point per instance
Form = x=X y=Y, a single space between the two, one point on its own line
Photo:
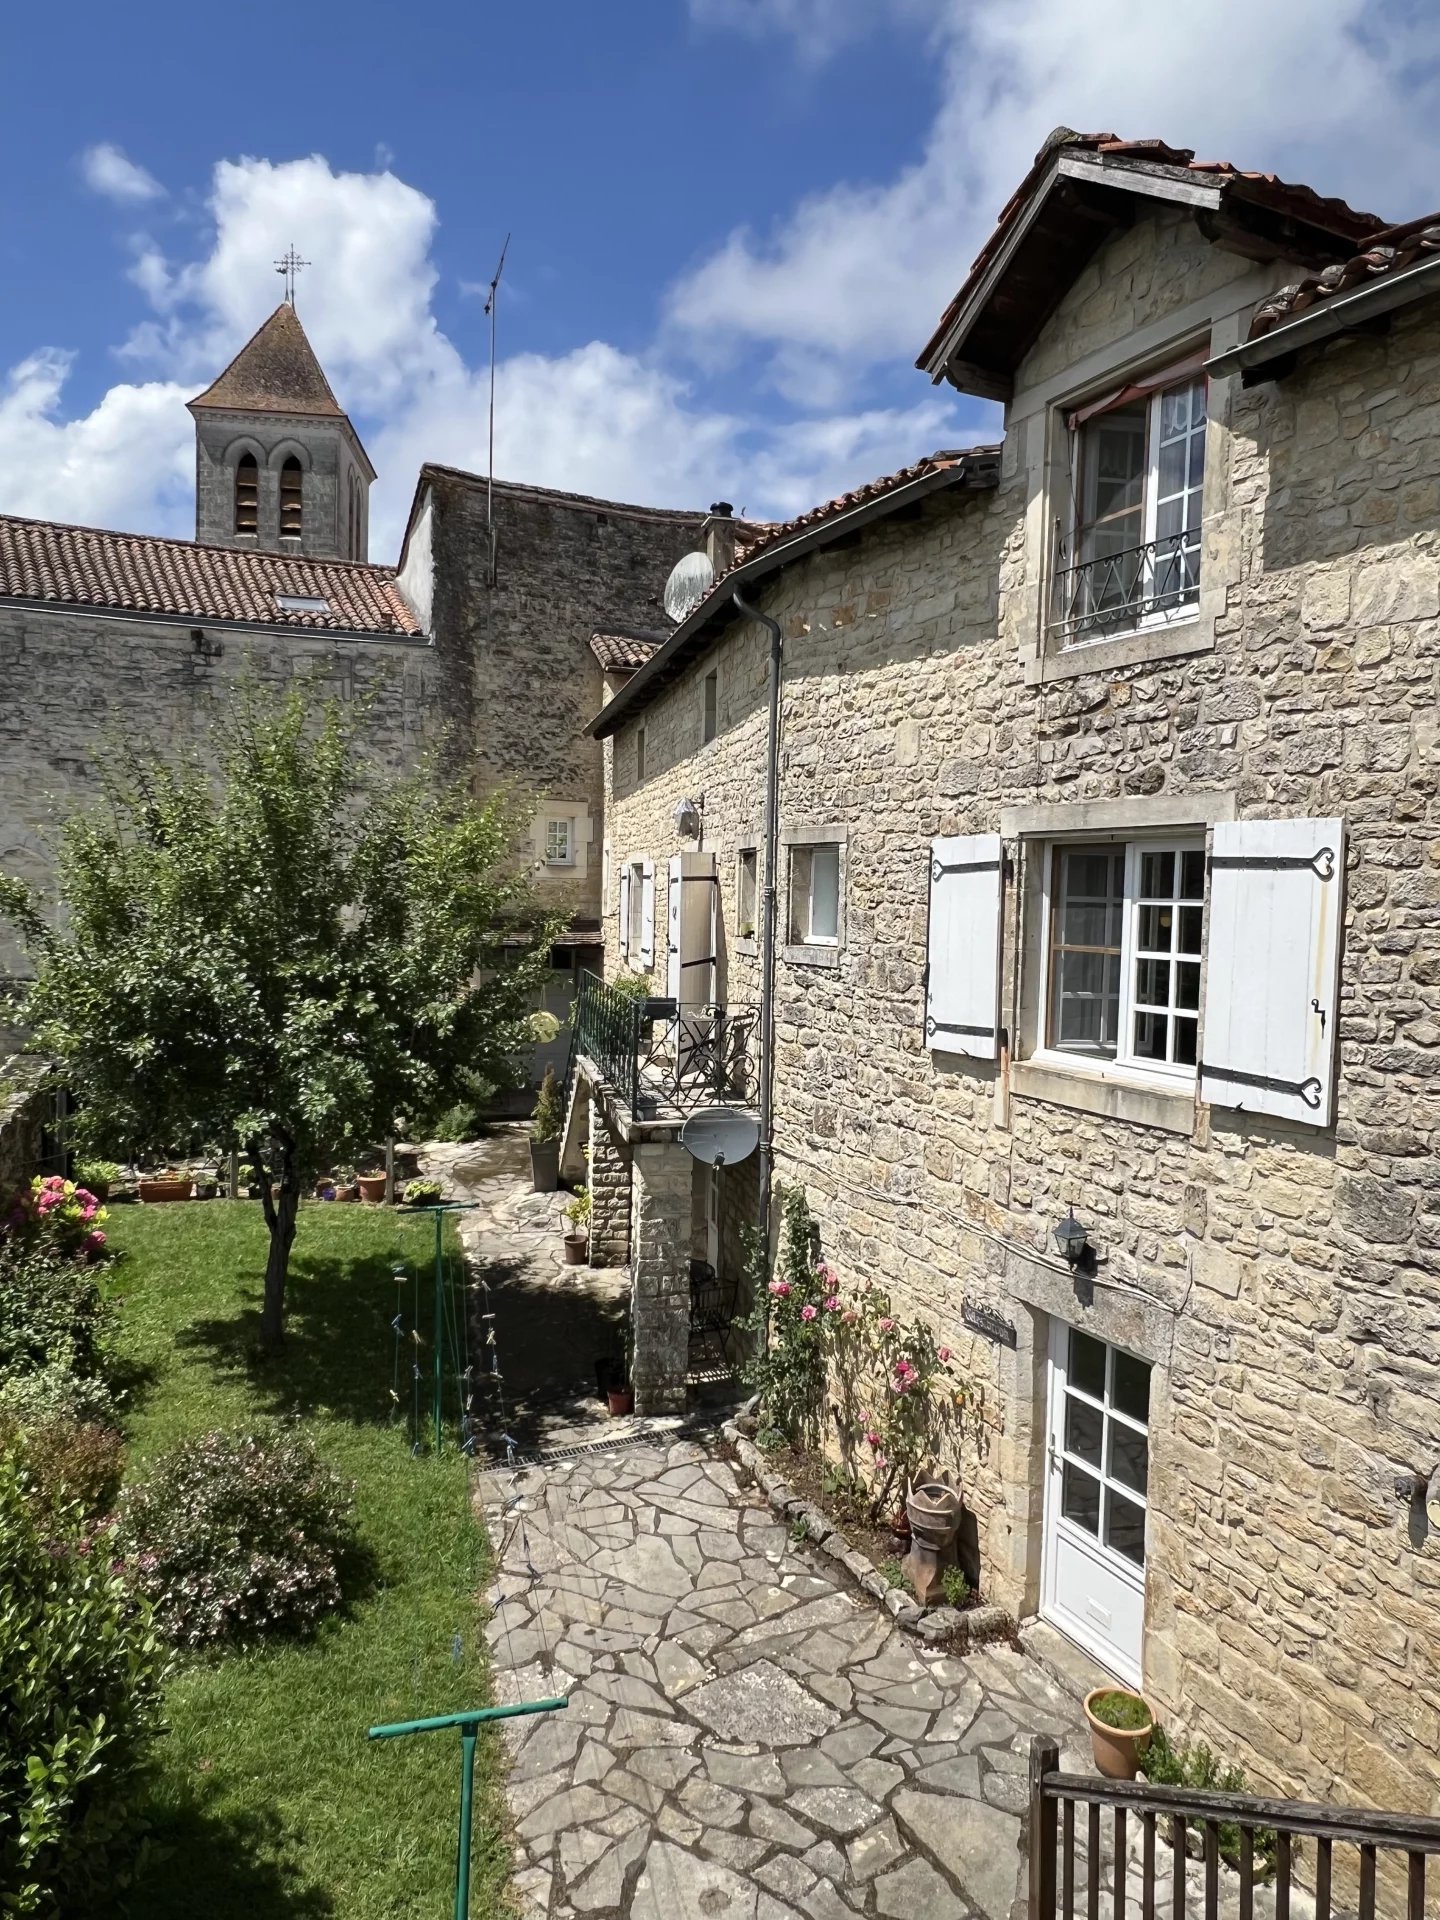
x=469 y=1724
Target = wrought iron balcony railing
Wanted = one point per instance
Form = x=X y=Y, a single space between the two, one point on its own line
x=1117 y=592
x=660 y=1057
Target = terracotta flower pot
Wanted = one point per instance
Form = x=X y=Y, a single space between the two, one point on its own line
x=352 y=1192
x=372 y=1186
x=621 y=1400
x=157 y=1189
x=1116 y=1750
x=577 y=1249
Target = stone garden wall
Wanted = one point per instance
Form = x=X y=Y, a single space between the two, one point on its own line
x=1284 y=1281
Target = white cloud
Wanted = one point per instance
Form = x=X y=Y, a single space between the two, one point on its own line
x=108 y=170
x=1338 y=93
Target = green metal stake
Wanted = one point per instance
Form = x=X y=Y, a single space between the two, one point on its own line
x=437 y=1419
x=468 y=1723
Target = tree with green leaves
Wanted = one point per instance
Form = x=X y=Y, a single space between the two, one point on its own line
x=278 y=948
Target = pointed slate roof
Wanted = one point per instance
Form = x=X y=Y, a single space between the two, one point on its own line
x=274 y=372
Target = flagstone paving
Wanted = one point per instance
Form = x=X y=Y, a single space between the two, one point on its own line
x=746 y=1739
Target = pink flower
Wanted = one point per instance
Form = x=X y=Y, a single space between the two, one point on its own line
x=887 y=1326
x=94 y=1241
x=850 y=1316
x=807 y=1313
x=944 y=1353
x=872 y=1439
x=828 y=1274
x=832 y=1304
x=780 y=1289
x=880 y=1460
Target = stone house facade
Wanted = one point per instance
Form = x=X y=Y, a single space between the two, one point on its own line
x=1108 y=886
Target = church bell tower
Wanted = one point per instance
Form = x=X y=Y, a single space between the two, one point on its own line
x=278 y=466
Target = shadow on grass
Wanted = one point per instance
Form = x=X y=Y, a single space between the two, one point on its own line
x=228 y=1866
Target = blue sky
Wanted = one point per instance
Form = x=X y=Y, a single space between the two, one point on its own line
x=734 y=221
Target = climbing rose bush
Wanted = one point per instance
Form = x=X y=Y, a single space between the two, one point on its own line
x=235 y=1535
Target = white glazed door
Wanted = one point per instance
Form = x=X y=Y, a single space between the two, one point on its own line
x=1098 y=1472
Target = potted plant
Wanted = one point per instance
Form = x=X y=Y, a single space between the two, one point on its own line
x=1121 y=1724
x=207 y=1185
x=422 y=1193
x=98 y=1177
x=545 y=1124
x=577 y=1239
x=157 y=1189
x=346 y=1185
x=372 y=1185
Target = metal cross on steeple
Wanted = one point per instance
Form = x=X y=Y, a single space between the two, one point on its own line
x=290 y=264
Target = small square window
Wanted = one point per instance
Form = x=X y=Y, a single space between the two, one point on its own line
x=559 y=843
x=815 y=895
x=747 y=876
x=709 y=724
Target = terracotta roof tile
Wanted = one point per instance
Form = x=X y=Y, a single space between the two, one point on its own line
x=623 y=652
x=1390 y=250
x=274 y=372
x=141 y=573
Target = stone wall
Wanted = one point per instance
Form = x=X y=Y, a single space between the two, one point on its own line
x=1284 y=1281
x=326 y=452
x=610 y=1180
x=25 y=1103
x=71 y=682
x=521 y=684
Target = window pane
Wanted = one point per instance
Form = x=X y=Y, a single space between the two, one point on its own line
x=1129 y=1461
x=1087 y=1364
x=1131 y=1388
x=1085 y=937
x=799 y=893
x=1151 y=1032
x=1186 y=1035
x=1125 y=1527
x=1197 y=460
x=1188 y=936
x=1173 y=466
x=825 y=893
x=1174 y=411
x=1084 y=1426
x=1192 y=874
x=1152 y=983
x=1080 y=1498
x=1156 y=929
x=1187 y=985
x=1087 y=1001
x=1157 y=875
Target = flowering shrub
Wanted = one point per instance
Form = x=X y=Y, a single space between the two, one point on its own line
x=80 y=1673
x=895 y=1389
x=234 y=1535
x=56 y=1216
x=69 y=1463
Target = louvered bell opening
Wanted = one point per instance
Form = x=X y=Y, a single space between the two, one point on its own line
x=290 y=499
x=247 y=495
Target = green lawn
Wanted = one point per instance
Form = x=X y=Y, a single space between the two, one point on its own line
x=268 y=1800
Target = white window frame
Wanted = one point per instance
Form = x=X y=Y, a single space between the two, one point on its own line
x=1188 y=609
x=565 y=857
x=1124 y=1063
x=709 y=706
x=635 y=911
x=808 y=937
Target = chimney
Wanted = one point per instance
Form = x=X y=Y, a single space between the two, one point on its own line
x=719 y=536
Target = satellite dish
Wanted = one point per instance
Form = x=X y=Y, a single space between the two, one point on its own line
x=720 y=1136
x=691 y=578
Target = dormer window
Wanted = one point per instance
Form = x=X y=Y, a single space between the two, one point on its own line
x=247 y=494
x=291 y=499
x=1131 y=555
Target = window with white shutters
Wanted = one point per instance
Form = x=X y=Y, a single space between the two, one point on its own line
x=1272 y=978
x=962 y=998
x=624 y=914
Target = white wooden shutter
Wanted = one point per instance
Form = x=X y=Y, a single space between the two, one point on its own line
x=673 y=911
x=1272 y=979
x=962 y=999
x=625 y=911
x=647 y=913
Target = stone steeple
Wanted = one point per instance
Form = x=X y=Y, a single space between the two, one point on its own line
x=278 y=466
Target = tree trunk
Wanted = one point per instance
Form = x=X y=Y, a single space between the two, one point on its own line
x=283 y=1174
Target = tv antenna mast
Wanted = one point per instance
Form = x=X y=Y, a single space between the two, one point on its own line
x=492 y=303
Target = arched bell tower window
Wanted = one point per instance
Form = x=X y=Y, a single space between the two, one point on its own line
x=291 y=499
x=247 y=494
